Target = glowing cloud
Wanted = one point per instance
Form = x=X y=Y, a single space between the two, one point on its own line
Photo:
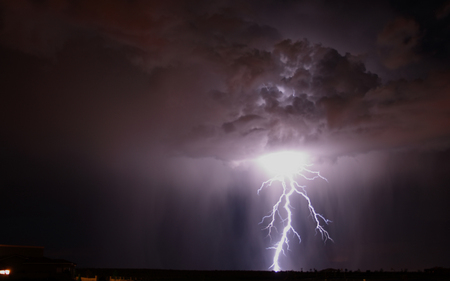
x=285 y=163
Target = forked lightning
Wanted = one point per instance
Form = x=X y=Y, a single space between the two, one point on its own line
x=287 y=166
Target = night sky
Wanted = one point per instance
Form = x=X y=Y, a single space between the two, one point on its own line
x=130 y=130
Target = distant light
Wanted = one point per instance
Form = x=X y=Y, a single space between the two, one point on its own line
x=284 y=163
x=5 y=272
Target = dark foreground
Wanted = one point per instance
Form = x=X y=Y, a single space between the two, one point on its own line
x=330 y=274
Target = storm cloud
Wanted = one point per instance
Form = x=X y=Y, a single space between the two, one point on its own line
x=237 y=85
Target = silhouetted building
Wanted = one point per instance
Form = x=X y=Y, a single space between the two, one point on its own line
x=28 y=262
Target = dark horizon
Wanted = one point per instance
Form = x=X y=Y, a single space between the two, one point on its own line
x=431 y=274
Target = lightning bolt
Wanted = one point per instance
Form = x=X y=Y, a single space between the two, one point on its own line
x=287 y=168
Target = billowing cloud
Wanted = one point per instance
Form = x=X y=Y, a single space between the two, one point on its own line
x=227 y=87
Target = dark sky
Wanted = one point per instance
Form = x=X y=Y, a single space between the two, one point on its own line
x=130 y=130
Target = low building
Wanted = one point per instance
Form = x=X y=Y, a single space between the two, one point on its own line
x=28 y=262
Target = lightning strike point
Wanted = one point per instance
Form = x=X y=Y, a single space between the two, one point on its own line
x=286 y=166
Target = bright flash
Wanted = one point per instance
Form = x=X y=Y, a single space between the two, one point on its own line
x=5 y=272
x=284 y=163
x=287 y=166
